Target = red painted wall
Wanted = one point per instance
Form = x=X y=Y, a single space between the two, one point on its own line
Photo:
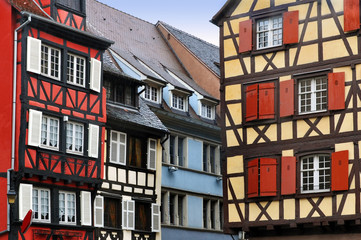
x=6 y=75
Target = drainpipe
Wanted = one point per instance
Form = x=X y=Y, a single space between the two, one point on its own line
x=13 y=116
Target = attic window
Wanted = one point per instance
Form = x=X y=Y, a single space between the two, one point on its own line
x=77 y=6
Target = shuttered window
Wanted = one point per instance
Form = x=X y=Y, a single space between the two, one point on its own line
x=351 y=15
x=128 y=217
x=25 y=199
x=288 y=175
x=152 y=154
x=339 y=171
x=336 y=91
x=270 y=32
x=95 y=74
x=86 y=209
x=99 y=211
x=252 y=178
x=93 y=146
x=262 y=177
x=33 y=55
x=34 y=128
x=287 y=98
x=155 y=217
x=260 y=101
x=118 y=147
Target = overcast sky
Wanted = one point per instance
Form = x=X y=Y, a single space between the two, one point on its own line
x=191 y=16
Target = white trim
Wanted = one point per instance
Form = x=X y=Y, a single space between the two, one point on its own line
x=99 y=210
x=73 y=138
x=34 y=127
x=95 y=74
x=136 y=71
x=74 y=70
x=152 y=151
x=128 y=214
x=119 y=144
x=48 y=133
x=25 y=199
x=66 y=207
x=93 y=141
x=33 y=55
x=155 y=208
x=50 y=63
x=40 y=206
x=269 y=30
x=85 y=208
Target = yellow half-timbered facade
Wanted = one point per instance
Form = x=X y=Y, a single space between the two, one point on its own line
x=291 y=110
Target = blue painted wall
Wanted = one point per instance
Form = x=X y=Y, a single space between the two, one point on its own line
x=191 y=181
x=195 y=149
x=166 y=95
x=181 y=234
x=193 y=101
x=195 y=212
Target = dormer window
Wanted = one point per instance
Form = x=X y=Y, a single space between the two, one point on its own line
x=152 y=93
x=77 y=6
x=207 y=110
x=122 y=92
x=178 y=101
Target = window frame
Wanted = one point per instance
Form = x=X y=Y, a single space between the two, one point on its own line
x=313 y=92
x=40 y=207
x=211 y=214
x=269 y=30
x=207 y=110
x=73 y=138
x=184 y=158
x=206 y=159
x=315 y=171
x=48 y=132
x=66 y=207
x=117 y=212
x=150 y=91
x=113 y=86
x=119 y=144
x=49 y=62
x=75 y=71
x=80 y=12
x=177 y=209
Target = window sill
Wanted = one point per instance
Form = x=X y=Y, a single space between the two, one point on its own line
x=311 y=114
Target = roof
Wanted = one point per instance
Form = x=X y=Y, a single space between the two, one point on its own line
x=206 y=52
x=223 y=11
x=143 y=118
x=137 y=39
x=28 y=6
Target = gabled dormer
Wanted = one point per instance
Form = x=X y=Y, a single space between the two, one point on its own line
x=68 y=12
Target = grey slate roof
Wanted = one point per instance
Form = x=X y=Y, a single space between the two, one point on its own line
x=206 y=52
x=143 y=118
x=137 y=38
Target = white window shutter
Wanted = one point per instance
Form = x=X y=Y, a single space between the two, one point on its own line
x=128 y=216
x=85 y=208
x=25 y=199
x=93 y=138
x=155 y=217
x=95 y=74
x=33 y=55
x=34 y=128
x=98 y=211
x=152 y=154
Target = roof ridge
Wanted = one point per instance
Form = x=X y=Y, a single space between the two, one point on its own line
x=125 y=13
x=202 y=40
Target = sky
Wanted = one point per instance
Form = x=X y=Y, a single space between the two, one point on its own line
x=190 y=16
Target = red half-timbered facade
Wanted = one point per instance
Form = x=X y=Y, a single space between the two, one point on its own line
x=59 y=119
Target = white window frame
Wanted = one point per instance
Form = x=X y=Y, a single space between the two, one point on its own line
x=78 y=72
x=99 y=211
x=316 y=173
x=152 y=151
x=151 y=92
x=207 y=111
x=128 y=214
x=40 y=204
x=155 y=218
x=269 y=32
x=176 y=99
x=119 y=144
x=314 y=92
x=73 y=138
x=66 y=207
x=49 y=64
x=48 y=132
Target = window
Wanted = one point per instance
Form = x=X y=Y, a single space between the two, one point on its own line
x=315 y=173
x=73 y=5
x=118 y=147
x=177 y=150
x=41 y=204
x=176 y=209
x=50 y=61
x=178 y=102
x=260 y=101
x=50 y=132
x=74 y=137
x=76 y=70
x=312 y=95
x=207 y=111
x=137 y=152
x=112 y=213
x=270 y=32
x=210 y=158
x=262 y=176
x=128 y=214
x=121 y=92
x=211 y=214
x=67 y=207
x=142 y=216
x=151 y=93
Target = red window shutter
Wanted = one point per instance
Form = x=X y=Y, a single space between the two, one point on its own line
x=268 y=177
x=286 y=98
x=351 y=15
x=251 y=102
x=290 y=27
x=288 y=175
x=252 y=178
x=245 y=36
x=266 y=100
x=339 y=171
x=336 y=91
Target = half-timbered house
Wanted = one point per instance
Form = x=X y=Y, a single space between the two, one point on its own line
x=290 y=95
x=54 y=110
x=191 y=186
